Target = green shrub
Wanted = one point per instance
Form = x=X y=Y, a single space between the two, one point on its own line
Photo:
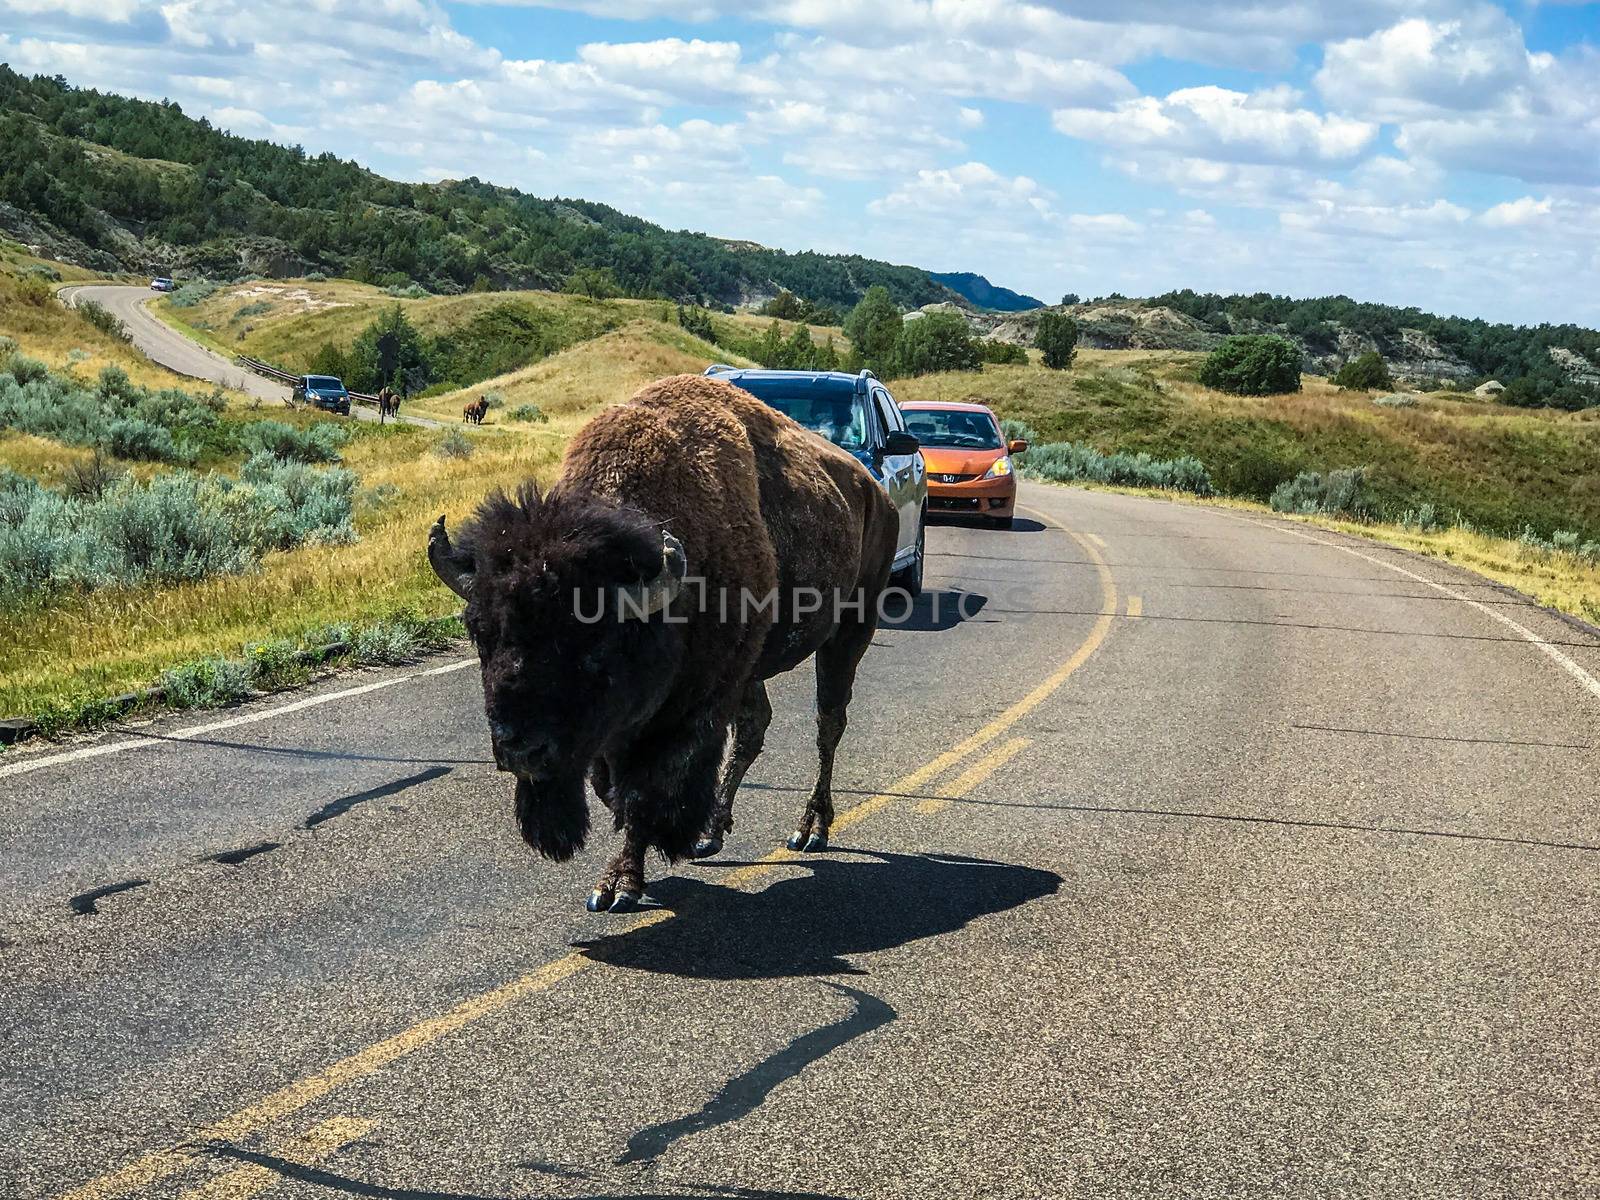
x=1425 y=518
x=1365 y=372
x=1341 y=493
x=103 y=319
x=1003 y=353
x=936 y=341
x=1253 y=364
x=528 y=412
x=253 y=310
x=192 y=293
x=1064 y=462
x=1014 y=430
x=316 y=277
x=1056 y=339
x=136 y=438
x=494 y=399
x=1396 y=400
x=180 y=526
x=208 y=683
x=134 y=422
x=454 y=444
x=318 y=443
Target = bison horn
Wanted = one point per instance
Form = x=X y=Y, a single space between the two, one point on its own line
x=640 y=600
x=441 y=556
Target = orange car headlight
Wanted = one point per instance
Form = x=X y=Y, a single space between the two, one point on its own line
x=1000 y=469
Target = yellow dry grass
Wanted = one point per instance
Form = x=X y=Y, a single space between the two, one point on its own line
x=584 y=378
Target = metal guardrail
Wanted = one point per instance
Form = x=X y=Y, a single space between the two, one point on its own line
x=272 y=372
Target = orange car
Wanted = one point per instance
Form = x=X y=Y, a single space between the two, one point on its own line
x=968 y=458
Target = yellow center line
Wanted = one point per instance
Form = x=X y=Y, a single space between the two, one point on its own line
x=973 y=776
x=310 y=1147
x=159 y=1164
x=1136 y=606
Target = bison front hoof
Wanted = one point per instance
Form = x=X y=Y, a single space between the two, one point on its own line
x=626 y=902
x=706 y=847
x=816 y=843
x=797 y=841
x=599 y=901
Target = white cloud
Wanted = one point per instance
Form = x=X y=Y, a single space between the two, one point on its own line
x=1420 y=67
x=1467 y=94
x=1522 y=211
x=1219 y=124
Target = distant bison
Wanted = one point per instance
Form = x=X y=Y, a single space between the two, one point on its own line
x=476 y=410
x=697 y=544
x=388 y=403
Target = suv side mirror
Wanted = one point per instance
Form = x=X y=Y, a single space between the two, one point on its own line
x=1019 y=446
x=898 y=441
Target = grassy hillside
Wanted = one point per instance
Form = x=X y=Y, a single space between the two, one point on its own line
x=1502 y=468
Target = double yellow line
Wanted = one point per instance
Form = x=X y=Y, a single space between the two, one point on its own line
x=159 y=1164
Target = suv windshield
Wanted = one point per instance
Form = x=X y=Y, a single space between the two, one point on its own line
x=323 y=383
x=837 y=414
x=966 y=430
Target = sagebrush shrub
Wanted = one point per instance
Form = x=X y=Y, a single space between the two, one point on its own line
x=1341 y=493
x=1063 y=462
x=180 y=526
x=528 y=412
x=114 y=412
x=208 y=683
x=193 y=293
x=318 y=443
x=454 y=444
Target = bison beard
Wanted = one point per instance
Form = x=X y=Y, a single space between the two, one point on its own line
x=553 y=815
x=691 y=476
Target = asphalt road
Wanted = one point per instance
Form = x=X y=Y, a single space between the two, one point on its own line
x=163 y=344
x=1188 y=854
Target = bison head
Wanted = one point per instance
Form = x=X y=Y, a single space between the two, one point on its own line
x=563 y=595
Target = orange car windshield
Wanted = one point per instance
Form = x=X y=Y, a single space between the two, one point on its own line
x=957 y=430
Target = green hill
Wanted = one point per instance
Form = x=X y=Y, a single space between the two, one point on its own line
x=116 y=183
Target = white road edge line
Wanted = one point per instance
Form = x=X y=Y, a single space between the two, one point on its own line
x=138 y=741
x=1566 y=663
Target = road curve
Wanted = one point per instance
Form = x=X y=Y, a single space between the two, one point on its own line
x=1188 y=853
x=159 y=342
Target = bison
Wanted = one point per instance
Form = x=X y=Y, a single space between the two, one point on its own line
x=476 y=410
x=696 y=544
x=388 y=403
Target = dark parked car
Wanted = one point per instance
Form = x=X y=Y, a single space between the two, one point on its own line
x=324 y=392
x=857 y=414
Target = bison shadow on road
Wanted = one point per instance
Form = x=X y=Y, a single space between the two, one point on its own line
x=934 y=611
x=851 y=902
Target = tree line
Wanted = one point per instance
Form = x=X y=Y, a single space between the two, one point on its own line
x=1517 y=355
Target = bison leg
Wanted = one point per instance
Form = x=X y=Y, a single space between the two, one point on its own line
x=621 y=885
x=837 y=660
x=749 y=732
x=661 y=796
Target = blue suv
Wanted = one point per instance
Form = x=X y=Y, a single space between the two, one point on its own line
x=857 y=414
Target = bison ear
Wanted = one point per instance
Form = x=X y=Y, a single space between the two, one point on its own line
x=446 y=563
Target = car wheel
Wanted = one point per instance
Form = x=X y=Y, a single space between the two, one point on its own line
x=1001 y=522
x=909 y=577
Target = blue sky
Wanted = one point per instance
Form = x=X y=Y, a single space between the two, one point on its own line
x=1428 y=152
